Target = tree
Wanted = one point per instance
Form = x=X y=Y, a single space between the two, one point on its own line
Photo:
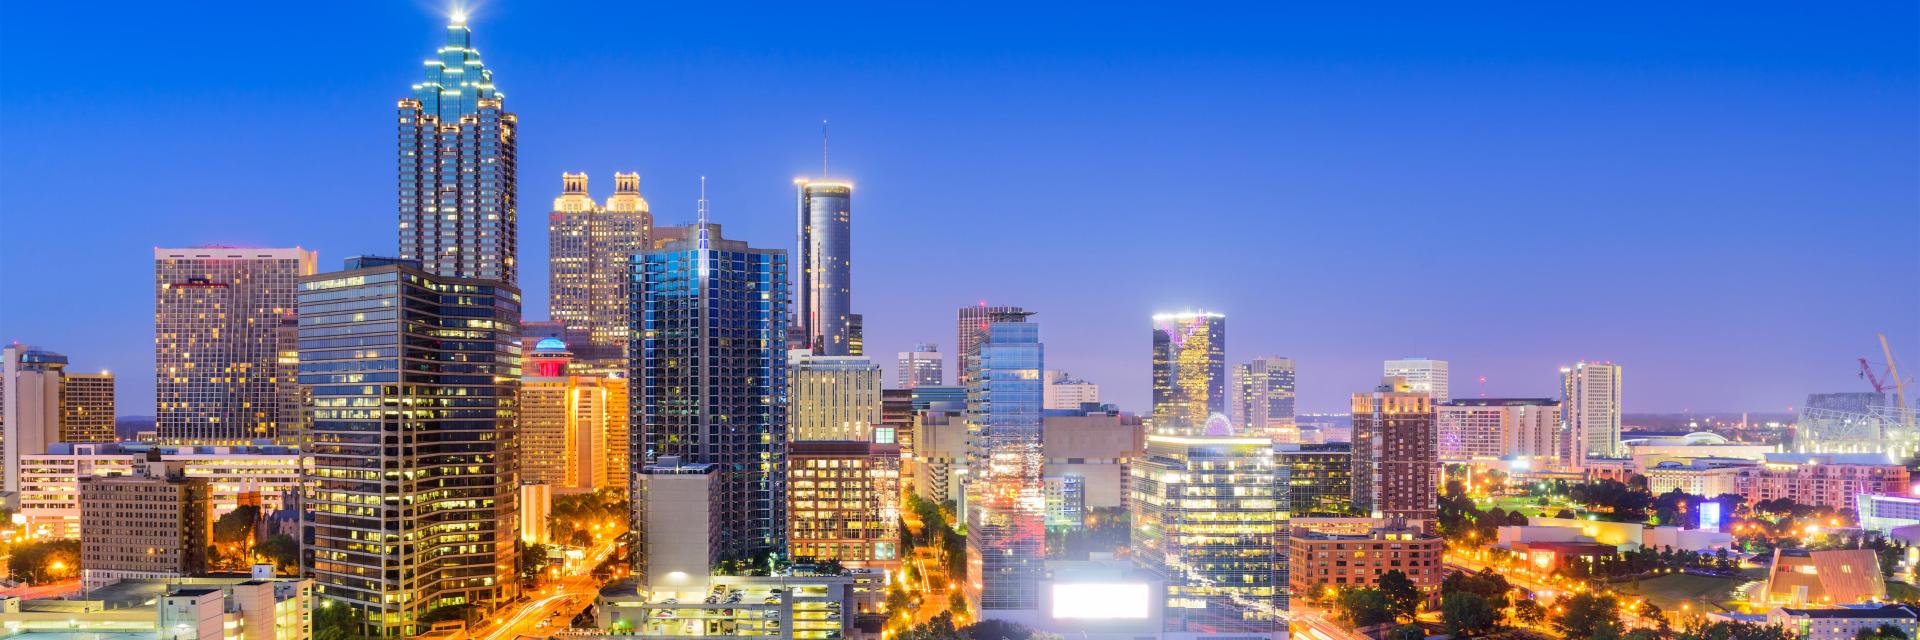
x=1585 y=614
x=1529 y=613
x=1363 y=607
x=1403 y=597
x=1466 y=614
x=1883 y=632
x=1407 y=632
x=957 y=603
x=45 y=561
x=940 y=627
x=1734 y=631
x=338 y=622
x=237 y=526
x=282 y=549
x=463 y=612
x=997 y=630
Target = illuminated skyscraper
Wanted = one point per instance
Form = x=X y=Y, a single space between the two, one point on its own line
x=922 y=367
x=833 y=398
x=1423 y=375
x=824 y=266
x=972 y=321
x=1590 y=411
x=1263 y=398
x=591 y=252
x=1396 y=455
x=458 y=210
x=1006 y=506
x=411 y=480
x=710 y=366
x=1189 y=370
x=224 y=343
x=1208 y=519
x=86 y=407
x=570 y=424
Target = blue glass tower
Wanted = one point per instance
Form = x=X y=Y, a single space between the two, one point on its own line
x=457 y=187
x=1006 y=501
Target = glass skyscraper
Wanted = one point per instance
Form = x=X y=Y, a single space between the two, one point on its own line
x=1006 y=501
x=824 y=264
x=1263 y=398
x=1209 y=519
x=709 y=362
x=411 y=482
x=1189 y=370
x=458 y=211
x=970 y=322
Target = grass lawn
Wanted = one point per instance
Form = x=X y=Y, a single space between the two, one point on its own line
x=1669 y=591
x=1528 y=506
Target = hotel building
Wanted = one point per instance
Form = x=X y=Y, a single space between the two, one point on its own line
x=224 y=344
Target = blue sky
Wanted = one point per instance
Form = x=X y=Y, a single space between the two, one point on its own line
x=1723 y=197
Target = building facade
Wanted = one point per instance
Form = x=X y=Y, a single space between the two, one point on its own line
x=1263 y=397
x=459 y=214
x=922 y=367
x=1496 y=428
x=1423 y=375
x=1207 y=520
x=1005 y=500
x=709 y=356
x=1095 y=448
x=224 y=344
x=153 y=524
x=1590 y=411
x=87 y=407
x=31 y=378
x=1189 y=370
x=572 y=427
x=1396 y=457
x=823 y=268
x=833 y=398
x=970 y=322
x=1318 y=478
x=590 y=250
x=1339 y=553
x=235 y=475
x=384 y=334
x=843 y=503
x=1067 y=393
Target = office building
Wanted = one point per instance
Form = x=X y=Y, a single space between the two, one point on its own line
x=1263 y=396
x=823 y=270
x=896 y=426
x=1884 y=513
x=940 y=457
x=571 y=424
x=1067 y=393
x=1189 y=371
x=922 y=366
x=591 y=248
x=1590 y=411
x=833 y=398
x=971 y=322
x=1396 y=458
x=1207 y=520
x=224 y=344
x=1497 y=428
x=235 y=475
x=86 y=407
x=1423 y=375
x=1097 y=448
x=1341 y=553
x=710 y=358
x=843 y=503
x=364 y=333
x=459 y=213
x=1318 y=477
x=153 y=524
x=1005 y=504
x=678 y=527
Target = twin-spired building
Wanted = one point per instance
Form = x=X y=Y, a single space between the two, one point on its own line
x=591 y=248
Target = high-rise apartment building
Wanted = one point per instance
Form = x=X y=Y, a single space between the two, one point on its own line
x=459 y=215
x=1005 y=503
x=971 y=322
x=1207 y=519
x=1396 y=458
x=1590 y=411
x=1263 y=399
x=832 y=398
x=570 y=424
x=1189 y=370
x=922 y=366
x=1423 y=375
x=709 y=356
x=155 y=524
x=32 y=380
x=412 y=480
x=823 y=266
x=1496 y=428
x=591 y=248
x=86 y=407
x=1067 y=393
x=224 y=344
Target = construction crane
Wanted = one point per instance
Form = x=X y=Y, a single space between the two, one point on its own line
x=1892 y=379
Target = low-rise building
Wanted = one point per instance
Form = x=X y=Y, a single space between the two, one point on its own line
x=235 y=475
x=1335 y=553
x=1842 y=623
x=154 y=524
x=1823 y=480
x=1798 y=577
x=1884 y=513
x=257 y=608
x=1708 y=477
x=799 y=607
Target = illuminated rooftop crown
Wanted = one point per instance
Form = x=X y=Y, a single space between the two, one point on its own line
x=456 y=81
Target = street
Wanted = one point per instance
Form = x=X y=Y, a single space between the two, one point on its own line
x=568 y=597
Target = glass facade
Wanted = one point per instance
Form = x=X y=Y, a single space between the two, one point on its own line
x=223 y=344
x=1319 y=478
x=457 y=197
x=411 y=487
x=709 y=361
x=1006 y=501
x=824 y=264
x=1209 y=520
x=1189 y=371
x=1263 y=399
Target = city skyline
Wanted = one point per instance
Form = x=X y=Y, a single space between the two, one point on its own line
x=1704 y=316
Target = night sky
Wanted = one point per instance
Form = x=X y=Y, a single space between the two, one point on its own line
x=1723 y=197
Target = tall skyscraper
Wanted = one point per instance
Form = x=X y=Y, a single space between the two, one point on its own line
x=972 y=321
x=224 y=343
x=1207 y=520
x=591 y=252
x=710 y=366
x=824 y=266
x=922 y=367
x=1005 y=500
x=32 y=379
x=1590 y=411
x=1189 y=370
x=1263 y=399
x=1423 y=375
x=411 y=479
x=833 y=398
x=459 y=214
x=1396 y=459
x=86 y=407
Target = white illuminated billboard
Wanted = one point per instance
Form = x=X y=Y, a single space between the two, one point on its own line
x=1100 y=601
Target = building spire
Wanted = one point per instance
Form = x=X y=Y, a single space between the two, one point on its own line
x=823 y=150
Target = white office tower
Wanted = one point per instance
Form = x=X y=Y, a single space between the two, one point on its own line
x=921 y=367
x=1590 y=411
x=1063 y=391
x=1423 y=375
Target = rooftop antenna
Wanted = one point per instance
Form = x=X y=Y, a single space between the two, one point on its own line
x=823 y=149
x=701 y=242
